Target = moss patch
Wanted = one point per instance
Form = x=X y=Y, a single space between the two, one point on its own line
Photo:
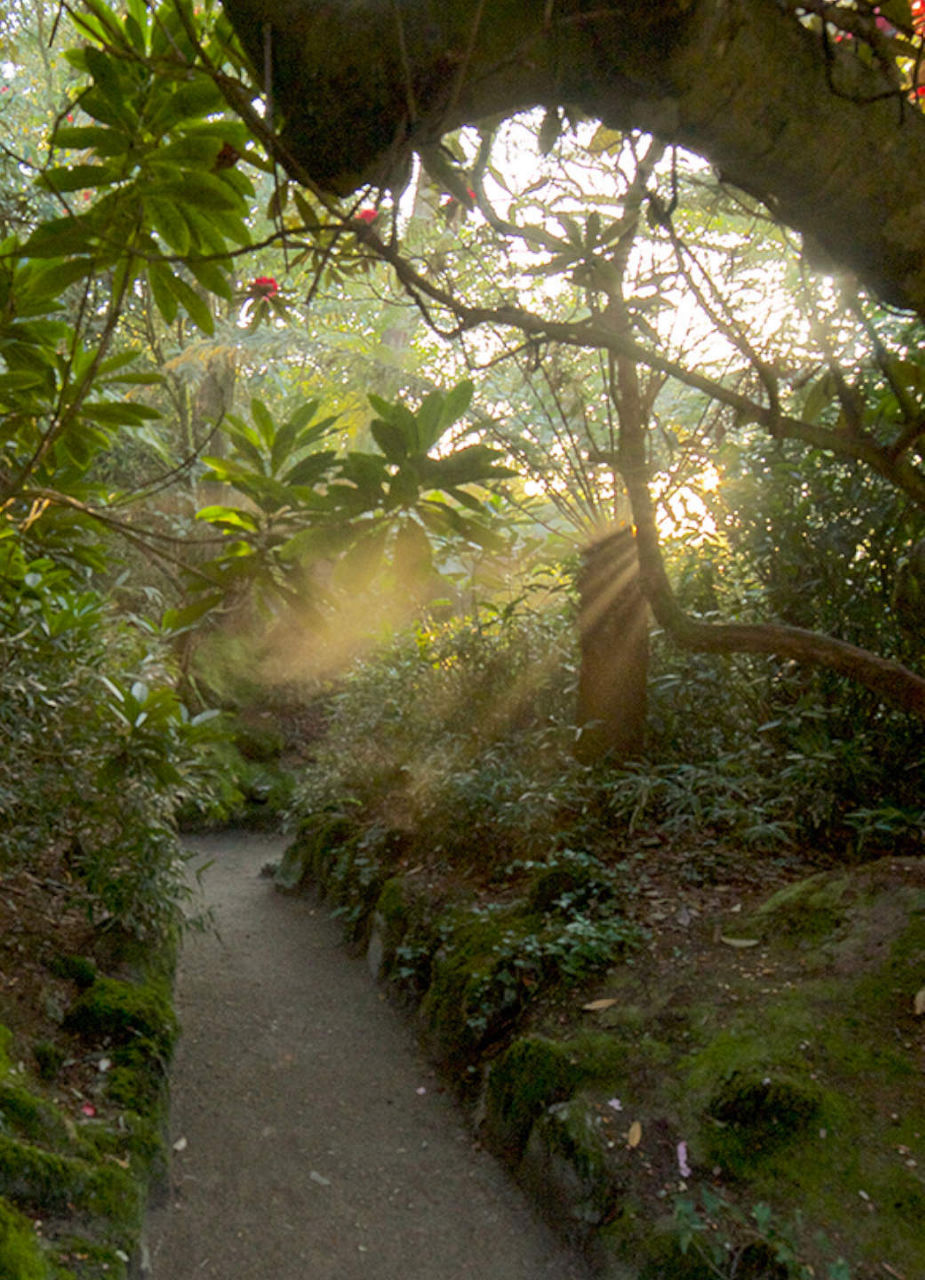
x=87 y=1154
x=20 y=1255
x=31 y=1117
x=123 y=1011
x=57 y=1184
x=532 y=1075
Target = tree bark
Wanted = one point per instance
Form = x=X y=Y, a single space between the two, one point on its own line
x=614 y=629
x=807 y=126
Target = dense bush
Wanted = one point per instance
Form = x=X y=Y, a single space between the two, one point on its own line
x=97 y=748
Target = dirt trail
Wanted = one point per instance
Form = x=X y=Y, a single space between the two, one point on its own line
x=313 y=1141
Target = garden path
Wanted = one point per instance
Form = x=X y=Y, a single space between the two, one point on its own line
x=311 y=1140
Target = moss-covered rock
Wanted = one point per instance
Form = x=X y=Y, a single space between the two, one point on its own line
x=123 y=1012
x=311 y=852
x=474 y=995
x=532 y=1075
x=565 y=1165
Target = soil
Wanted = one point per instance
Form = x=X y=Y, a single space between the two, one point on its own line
x=311 y=1140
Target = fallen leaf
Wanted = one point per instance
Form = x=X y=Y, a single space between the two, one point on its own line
x=919 y=1003
x=634 y=1135
x=180 y=1144
x=740 y=942
x=594 y=1005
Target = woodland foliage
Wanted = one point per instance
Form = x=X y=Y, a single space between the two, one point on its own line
x=236 y=404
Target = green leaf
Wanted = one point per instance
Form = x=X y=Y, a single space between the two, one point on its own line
x=311 y=469
x=182 y=619
x=367 y=472
x=92 y=137
x=389 y=439
x=160 y=281
x=361 y=562
x=196 y=308
x=57 y=276
x=202 y=190
x=169 y=224
x=111 y=413
x=263 y=421
x=233 y=517
x=302 y=416
x=429 y=418
x=76 y=177
x=455 y=404
x=212 y=275
x=59 y=238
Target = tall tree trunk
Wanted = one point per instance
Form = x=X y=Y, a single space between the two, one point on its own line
x=614 y=631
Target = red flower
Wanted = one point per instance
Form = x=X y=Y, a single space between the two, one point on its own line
x=368 y=216
x=264 y=287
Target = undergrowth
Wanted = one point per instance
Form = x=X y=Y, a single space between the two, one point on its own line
x=462 y=734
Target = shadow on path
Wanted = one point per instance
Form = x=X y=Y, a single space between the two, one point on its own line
x=310 y=1139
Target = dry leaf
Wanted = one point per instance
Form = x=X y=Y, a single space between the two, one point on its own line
x=740 y=942
x=634 y=1135
x=180 y=1144
x=919 y=1003
x=594 y=1005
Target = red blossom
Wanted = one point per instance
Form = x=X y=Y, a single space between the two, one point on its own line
x=264 y=287
x=368 y=216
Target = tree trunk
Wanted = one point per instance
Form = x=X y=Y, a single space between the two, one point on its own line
x=614 y=629
x=823 y=137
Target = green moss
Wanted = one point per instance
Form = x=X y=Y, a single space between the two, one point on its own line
x=77 y=969
x=806 y=911
x=311 y=853
x=20 y=1255
x=394 y=912
x=124 y=1011
x=566 y=1149
x=138 y=1080
x=90 y=1260
x=58 y=1184
x=49 y=1058
x=22 y=1113
x=754 y=1115
x=6 y=1048
x=465 y=1005
x=533 y=1074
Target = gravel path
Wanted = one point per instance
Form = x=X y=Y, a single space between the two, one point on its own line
x=311 y=1140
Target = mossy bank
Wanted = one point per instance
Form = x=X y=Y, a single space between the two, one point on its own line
x=83 y=1111
x=741 y=1096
